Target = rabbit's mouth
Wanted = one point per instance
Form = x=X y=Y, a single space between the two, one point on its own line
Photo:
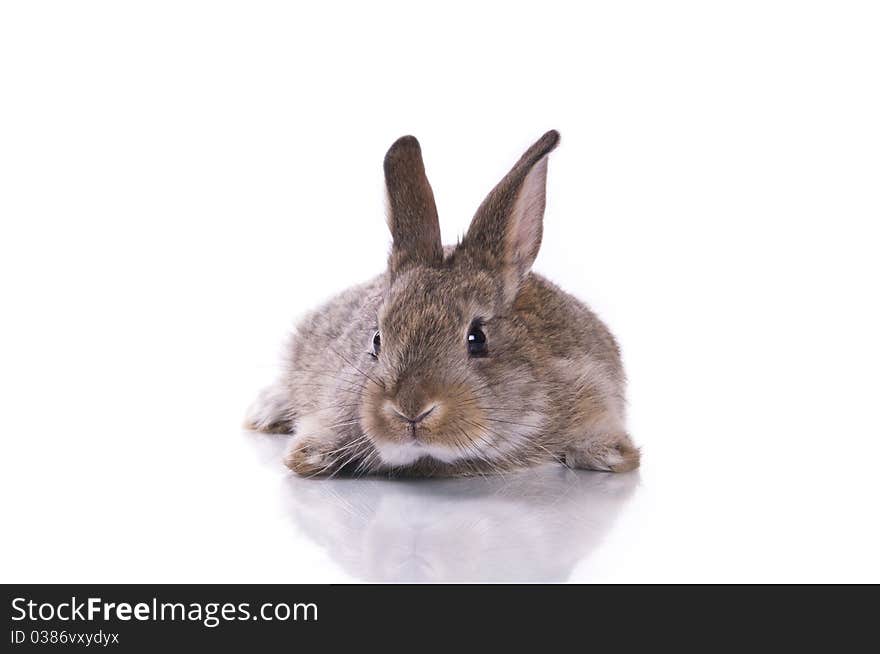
x=410 y=434
x=431 y=422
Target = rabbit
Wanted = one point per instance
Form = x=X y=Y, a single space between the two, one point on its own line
x=457 y=360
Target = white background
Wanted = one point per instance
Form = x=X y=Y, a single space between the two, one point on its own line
x=180 y=180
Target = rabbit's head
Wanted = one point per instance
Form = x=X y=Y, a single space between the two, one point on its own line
x=457 y=370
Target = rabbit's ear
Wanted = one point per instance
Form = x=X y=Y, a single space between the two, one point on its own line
x=505 y=234
x=412 y=214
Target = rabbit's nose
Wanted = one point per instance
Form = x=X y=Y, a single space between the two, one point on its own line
x=418 y=418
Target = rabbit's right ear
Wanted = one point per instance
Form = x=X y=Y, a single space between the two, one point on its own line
x=412 y=214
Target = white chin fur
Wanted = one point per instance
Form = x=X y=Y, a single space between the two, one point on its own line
x=401 y=454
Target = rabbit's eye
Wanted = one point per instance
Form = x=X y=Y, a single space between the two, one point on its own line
x=377 y=343
x=476 y=340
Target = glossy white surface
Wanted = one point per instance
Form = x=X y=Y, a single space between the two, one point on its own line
x=180 y=181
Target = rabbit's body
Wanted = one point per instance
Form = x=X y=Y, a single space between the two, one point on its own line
x=481 y=365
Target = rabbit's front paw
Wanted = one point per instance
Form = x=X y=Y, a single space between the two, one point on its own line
x=316 y=450
x=615 y=453
x=309 y=456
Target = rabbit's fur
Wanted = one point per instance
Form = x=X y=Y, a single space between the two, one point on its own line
x=550 y=384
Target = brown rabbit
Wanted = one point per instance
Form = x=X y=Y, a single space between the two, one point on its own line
x=456 y=360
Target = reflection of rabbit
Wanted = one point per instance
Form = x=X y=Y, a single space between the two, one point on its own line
x=454 y=361
x=534 y=525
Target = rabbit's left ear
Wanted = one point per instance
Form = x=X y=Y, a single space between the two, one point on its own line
x=505 y=233
x=412 y=214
